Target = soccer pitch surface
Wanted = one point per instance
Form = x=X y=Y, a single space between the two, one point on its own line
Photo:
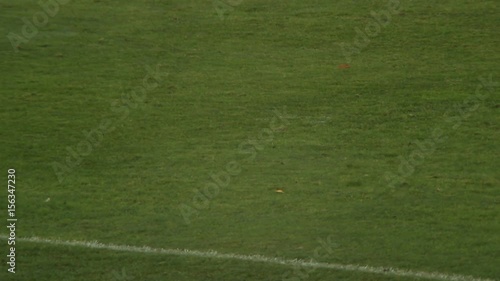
x=250 y=140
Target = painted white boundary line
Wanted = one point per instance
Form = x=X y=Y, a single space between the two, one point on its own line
x=256 y=258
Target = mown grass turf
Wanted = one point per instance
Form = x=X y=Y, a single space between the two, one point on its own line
x=220 y=82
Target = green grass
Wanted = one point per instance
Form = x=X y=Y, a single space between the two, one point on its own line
x=347 y=129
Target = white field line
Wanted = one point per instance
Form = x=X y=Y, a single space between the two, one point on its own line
x=256 y=258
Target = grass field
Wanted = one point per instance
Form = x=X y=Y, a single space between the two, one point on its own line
x=173 y=124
